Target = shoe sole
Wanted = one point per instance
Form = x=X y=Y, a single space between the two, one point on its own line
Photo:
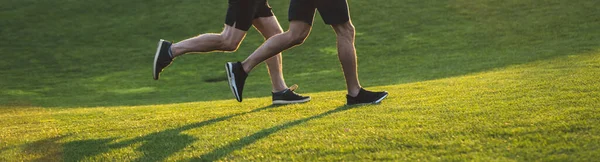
x=374 y=102
x=232 y=84
x=155 y=73
x=283 y=102
x=381 y=99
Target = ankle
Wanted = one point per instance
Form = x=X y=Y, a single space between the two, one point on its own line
x=174 y=51
x=246 y=67
x=280 y=89
x=353 y=92
x=280 y=92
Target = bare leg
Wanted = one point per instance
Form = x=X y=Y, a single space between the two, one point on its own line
x=268 y=27
x=228 y=40
x=294 y=36
x=347 y=56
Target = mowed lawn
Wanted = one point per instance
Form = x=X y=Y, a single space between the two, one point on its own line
x=468 y=80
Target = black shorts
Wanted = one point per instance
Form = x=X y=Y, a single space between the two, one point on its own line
x=332 y=11
x=242 y=12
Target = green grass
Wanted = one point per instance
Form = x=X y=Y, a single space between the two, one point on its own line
x=468 y=80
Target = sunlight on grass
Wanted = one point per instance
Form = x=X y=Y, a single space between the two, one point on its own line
x=20 y=93
x=329 y=51
x=542 y=110
x=134 y=90
x=318 y=72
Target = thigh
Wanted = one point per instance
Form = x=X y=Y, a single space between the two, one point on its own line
x=333 y=11
x=267 y=26
x=302 y=10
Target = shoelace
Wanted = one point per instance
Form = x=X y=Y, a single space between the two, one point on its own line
x=293 y=87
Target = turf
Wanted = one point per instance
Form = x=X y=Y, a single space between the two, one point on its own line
x=468 y=80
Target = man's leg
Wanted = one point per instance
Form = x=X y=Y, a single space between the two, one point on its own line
x=238 y=72
x=336 y=13
x=347 y=55
x=298 y=31
x=268 y=27
x=301 y=13
x=228 y=40
x=296 y=35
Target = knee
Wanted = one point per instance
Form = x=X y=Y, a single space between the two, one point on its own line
x=298 y=40
x=345 y=30
x=230 y=45
x=269 y=34
x=231 y=38
x=298 y=37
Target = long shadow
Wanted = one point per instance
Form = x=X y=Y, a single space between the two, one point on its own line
x=49 y=149
x=243 y=142
x=155 y=146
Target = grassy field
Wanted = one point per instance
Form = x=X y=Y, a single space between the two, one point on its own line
x=476 y=80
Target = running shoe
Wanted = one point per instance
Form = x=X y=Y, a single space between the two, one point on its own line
x=236 y=77
x=162 y=58
x=366 y=97
x=288 y=96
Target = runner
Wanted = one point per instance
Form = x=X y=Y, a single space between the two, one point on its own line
x=241 y=15
x=301 y=15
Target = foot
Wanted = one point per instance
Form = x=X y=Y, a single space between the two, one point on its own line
x=366 y=97
x=237 y=78
x=288 y=96
x=162 y=58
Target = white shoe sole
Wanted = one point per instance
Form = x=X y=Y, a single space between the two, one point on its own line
x=283 y=102
x=381 y=99
x=374 y=102
x=232 y=84
x=154 y=73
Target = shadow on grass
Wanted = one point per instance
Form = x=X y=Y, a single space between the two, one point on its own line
x=248 y=140
x=154 y=147
x=49 y=149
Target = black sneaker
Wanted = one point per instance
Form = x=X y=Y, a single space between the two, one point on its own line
x=162 y=58
x=366 y=97
x=288 y=96
x=237 y=77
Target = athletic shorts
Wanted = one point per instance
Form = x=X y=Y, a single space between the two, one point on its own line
x=242 y=12
x=332 y=11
